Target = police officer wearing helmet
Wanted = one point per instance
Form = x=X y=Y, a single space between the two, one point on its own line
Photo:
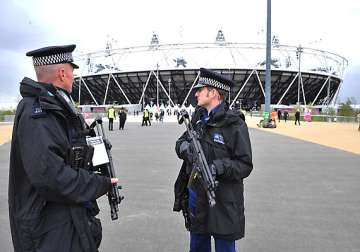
x=52 y=191
x=225 y=140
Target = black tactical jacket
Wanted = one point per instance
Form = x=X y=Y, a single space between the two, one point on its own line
x=47 y=197
x=226 y=144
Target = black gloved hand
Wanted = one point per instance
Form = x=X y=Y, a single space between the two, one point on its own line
x=186 y=152
x=213 y=171
x=217 y=168
x=185 y=212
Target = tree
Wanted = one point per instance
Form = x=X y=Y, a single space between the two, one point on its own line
x=345 y=109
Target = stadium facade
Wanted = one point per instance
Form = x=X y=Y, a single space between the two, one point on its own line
x=166 y=73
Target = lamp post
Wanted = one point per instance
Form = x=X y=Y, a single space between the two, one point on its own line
x=268 y=62
x=157 y=85
x=143 y=100
x=299 y=50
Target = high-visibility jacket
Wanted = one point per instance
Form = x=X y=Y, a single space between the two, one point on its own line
x=111 y=113
x=146 y=113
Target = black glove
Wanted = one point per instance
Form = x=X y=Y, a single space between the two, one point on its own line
x=185 y=212
x=186 y=152
x=217 y=168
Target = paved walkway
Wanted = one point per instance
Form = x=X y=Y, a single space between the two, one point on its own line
x=300 y=196
x=343 y=136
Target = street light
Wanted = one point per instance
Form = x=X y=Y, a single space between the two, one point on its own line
x=268 y=62
x=299 y=50
x=157 y=84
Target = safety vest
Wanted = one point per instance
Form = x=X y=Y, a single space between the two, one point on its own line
x=111 y=113
x=146 y=113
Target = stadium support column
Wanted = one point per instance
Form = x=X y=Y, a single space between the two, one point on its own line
x=142 y=98
x=268 y=59
x=169 y=82
x=192 y=86
x=328 y=93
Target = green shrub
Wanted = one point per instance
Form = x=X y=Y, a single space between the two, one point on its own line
x=345 y=109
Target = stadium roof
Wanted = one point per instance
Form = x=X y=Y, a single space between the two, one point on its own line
x=121 y=75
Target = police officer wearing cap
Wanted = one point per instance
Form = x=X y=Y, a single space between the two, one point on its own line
x=52 y=191
x=225 y=141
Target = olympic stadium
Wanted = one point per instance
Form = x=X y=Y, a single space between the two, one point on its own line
x=166 y=73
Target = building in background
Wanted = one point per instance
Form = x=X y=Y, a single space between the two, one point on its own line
x=165 y=74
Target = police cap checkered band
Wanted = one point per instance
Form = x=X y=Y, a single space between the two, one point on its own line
x=214 y=83
x=211 y=78
x=53 y=55
x=53 y=59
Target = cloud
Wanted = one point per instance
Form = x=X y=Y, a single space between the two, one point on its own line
x=351 y=84
x=18 y=30
x=14 y=66
x=30 y=24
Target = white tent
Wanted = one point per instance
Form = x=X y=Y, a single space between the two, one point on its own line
x=191 y=109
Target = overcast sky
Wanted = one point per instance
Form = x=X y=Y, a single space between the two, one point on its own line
x=30 y=24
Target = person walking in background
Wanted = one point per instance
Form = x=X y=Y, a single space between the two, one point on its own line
x=286 y=115
x=279 y=115
x=143 y=119
x=162 y=114
x=146 y=118
x=297 y=116
x=111 y=116
x=122 y=119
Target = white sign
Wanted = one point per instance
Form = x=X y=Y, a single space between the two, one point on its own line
x=100 y=155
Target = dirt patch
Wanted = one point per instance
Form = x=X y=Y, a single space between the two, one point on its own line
x=5 y=133
x=343 y=136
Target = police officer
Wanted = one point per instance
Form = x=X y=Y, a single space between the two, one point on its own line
x=52 y=196
x=297 y=116
x=225 y=140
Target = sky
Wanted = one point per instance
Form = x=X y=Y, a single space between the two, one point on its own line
x=30 y=24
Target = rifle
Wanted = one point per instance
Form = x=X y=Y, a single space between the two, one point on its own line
x=200 y=164
x=107 y=169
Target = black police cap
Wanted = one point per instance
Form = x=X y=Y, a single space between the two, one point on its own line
x=53 y=55
x=213 y=79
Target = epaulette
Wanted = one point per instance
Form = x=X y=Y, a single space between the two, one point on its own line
x=37 y=111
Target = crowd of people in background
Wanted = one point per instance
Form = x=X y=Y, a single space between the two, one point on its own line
x=154 y=114
x=148 y=115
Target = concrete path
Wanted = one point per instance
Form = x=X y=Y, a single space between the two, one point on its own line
x=300 y=197
x=343 y=136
